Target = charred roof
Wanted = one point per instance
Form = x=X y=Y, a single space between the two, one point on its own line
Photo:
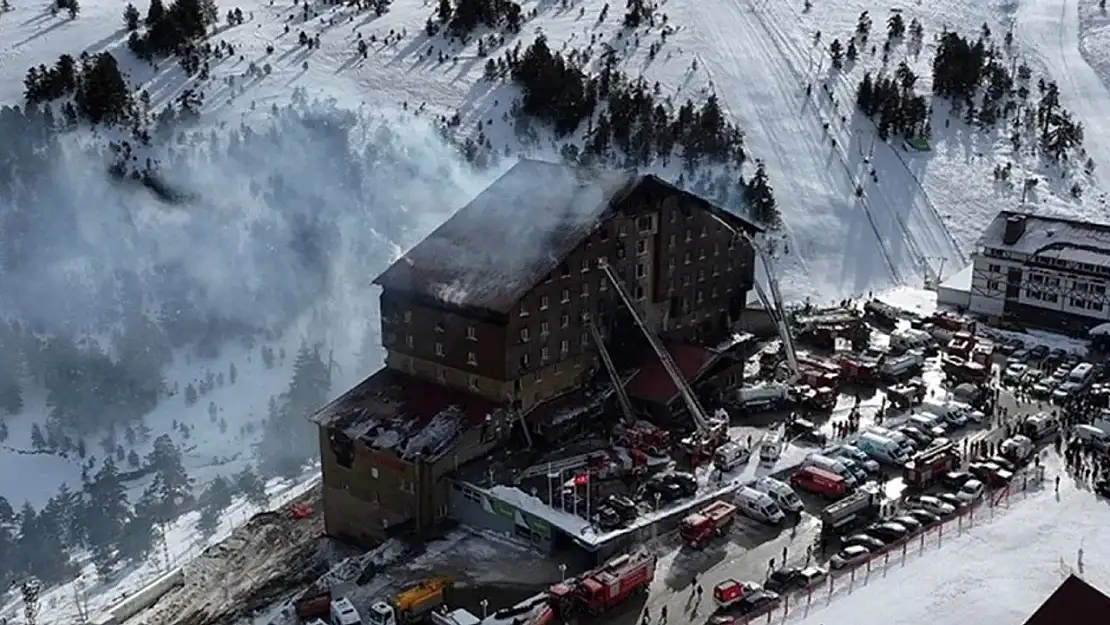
x=517 y=231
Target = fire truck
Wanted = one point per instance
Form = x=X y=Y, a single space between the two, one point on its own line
x=929 y=466
x=640 y=434
x=708 y=523
x=604 y=588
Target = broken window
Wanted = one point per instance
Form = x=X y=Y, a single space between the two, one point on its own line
x=641 y=247
x=343 y=448
x=641 y=270
x=564 y=270
x=639 y=292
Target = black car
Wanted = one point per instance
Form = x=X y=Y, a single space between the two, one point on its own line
x=870 y=543
x=887 y=532
x=806 y=431
x=757 y=601
x=924 y=517
x=917 y=436
x=956 y=479
x=623 y=506
x=609 y=519
x=1004 y=463
x=784 y=579
x=672 y=486
x=908 y=522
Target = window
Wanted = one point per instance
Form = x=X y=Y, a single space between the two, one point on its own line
x=641 y=270
x=441 y=375
x=713 y=292
x=585 y=289
x=670 y=241
x=558 y=368
x=584 y=339
x=604 y=285
x=524 y=361
x=439 y=349
x=639 y=292
x=441 y=512
x=408 y=341
x=543 y=303
x=621 y=231
x=641 y=247
x=686 y=280
x=524 y=337
x=564 y=321
x=701 y=253
x=374 y=472
x=566 y=296
x=689 y=236
x=439 y=327
x=471 y=333
x=644 y=223
x=472 y=359
x=701 y=297
x=603 y=233
x=544 y=355
x=564 y=270
x=716 y=271
x=407 y=486
x=701 y=275
x=585 y=265
x=523 y=309
x=994 y=268
x=687 y=258
x=545 y=329
x=732 y=243
x=704 y=232
x=390 y=338
x=564 y=347
x=992 y=285
x=408 y=316
x=472 y=382
x=716 y=249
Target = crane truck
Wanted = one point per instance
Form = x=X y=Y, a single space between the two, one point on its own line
x=413 y=604
x=710 y=433
x=603 y=588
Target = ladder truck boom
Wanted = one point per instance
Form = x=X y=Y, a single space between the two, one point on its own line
x=772 y=304
x=692 y=404
x=606 y=359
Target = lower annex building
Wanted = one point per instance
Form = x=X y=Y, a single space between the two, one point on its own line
x=489 y=323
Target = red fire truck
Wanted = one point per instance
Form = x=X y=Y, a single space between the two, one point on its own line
x=709 y=522
x=603 y=588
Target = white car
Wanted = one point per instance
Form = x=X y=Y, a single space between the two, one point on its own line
x=1014 y=372
x=932 y=504
x=850 y=556
x=971 y=491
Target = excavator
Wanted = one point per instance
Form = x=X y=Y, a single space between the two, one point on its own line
x=710 y=432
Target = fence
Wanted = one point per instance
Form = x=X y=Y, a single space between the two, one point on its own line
x=933 y=536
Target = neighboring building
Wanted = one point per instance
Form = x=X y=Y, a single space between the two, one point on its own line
x=1075 y=602
x=1042 y=271
x=484 y=321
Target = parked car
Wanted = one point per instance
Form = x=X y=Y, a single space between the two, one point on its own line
x=924 y=517
x=888 y=531
x=907 y=521
x=971 y=491
x=858 y=456
x=863 y=540
x=922 y=439
x=955 y=479
x=951 y=499
x=758 y=601
x=850 y=556
x=805 y=431
x=1013 y=373
x=785 y=580
x=931 y=504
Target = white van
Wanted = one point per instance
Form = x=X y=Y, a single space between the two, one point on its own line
x=929 y=423
x=780 y=493
x=343 y=612
x=731 y=455
x=831 y=465
x=1093 y=437
x=1081 y=374
x=953 y=413
x=758 y=506
x=1040 y=426
x=882 y=449
x=904 y=443
x=906 y=339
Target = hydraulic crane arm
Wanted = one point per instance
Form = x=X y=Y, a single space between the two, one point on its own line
x=692 y=403
x=622 y=397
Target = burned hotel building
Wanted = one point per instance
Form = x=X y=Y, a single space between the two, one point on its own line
x=487 y=322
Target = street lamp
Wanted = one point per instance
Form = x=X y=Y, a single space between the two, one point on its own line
x=485 y=608
x=562 y=573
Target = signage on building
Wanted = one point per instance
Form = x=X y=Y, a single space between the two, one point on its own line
x=535 y=524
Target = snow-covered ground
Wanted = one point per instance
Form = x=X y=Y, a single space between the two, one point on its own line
x=999 y=571
x=919 y=219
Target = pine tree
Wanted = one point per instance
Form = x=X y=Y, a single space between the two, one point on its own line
x=252 y=487
x=190 y=394
x=155 y=12
x=760 y=198
x=131 y=17
x=38 y=441
x=172 y=485
x=895 y=26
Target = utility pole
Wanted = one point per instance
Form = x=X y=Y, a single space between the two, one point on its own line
x=165 y=546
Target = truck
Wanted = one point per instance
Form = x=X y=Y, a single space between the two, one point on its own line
x=853 y=511
x=709 y=522
x=604 y=588
x=413 y=604
x=927 y=467
x=313 y=606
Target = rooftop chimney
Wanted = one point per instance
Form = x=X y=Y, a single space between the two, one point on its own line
x=1015 y=227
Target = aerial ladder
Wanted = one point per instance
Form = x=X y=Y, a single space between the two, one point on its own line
x=773 y=303
x=631 y=431
x=709 y=433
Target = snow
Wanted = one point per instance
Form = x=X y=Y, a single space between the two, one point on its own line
x=959 y=281
x=999 y=571
x=918 y=301
x=584 y=532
